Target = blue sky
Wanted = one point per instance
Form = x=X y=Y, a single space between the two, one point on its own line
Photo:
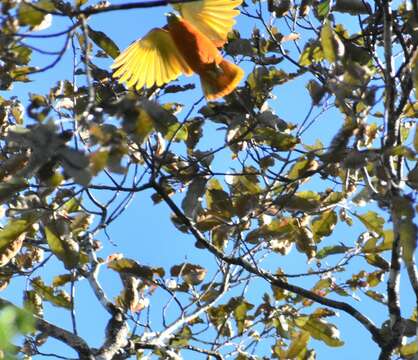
x=145 y=233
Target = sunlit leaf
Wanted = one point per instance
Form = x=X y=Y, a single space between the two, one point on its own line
x=372 y=221
x=11 y=239
x=331 y=250
x=332 y=46
x=376 y=296
x=299 y=342
x=62 y=280
x=64 y=248
x=378 y=261
x=218 y=200
x=29 y=15
x=409 y=349
x=58 y=298
x=323 y=225
x=131 y=267
x=104 y=42
x=320 y=330
x=408 y=234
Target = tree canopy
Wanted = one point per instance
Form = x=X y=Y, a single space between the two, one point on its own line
x=295 y=220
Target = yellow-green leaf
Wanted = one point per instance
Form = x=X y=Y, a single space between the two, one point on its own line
x=11 y=239
x=28 y=14
x=320 y=330
x=58 y=298
x=323 y=225
x=299 y=342
x=416 y=138
x=332 y=46
x=372 y=221
x=409 y=350
x=408 y=239
x=104 y=42
x=131 y=267
x=67 y=250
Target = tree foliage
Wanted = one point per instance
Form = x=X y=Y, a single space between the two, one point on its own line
x=74 y=156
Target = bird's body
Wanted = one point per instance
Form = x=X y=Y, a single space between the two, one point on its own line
x=187 y=44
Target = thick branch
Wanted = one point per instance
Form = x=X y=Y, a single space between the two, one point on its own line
x=117 y=332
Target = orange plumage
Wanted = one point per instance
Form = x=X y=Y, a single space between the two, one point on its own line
x=183 y=47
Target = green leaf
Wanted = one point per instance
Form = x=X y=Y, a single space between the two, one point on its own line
x=131 y=267
x=312 y=53
x=323 y=9
x=58 y=298
x=23 y=56
x=218 y=200
x=375 y=278
x=306 y=201
x=301 y=167
x=164 y=120
x=278 y=229
x=63 y=247
x=241 y=308
x=408 y=350
x=320 y=330
x=104 y=42
x=279 y=141
x=331 y=250
x=182 y=338
x=98 y=160
x=376 y=296
x=332 y=46
x=72 y=205
x=408 y=238
x=323 y=225
x=372 y=221
x=378 y=261
x=60 y=280
x=12 y=322
x=299 y=343
x=11 y=239
x=415 y=74
x=29 y=15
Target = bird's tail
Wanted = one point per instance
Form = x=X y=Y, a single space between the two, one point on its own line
x=221 y=81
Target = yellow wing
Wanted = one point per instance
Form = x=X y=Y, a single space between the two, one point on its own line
x=214 y=18
x=154 y=59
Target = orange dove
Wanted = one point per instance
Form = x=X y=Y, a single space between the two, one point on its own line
x=187 y=44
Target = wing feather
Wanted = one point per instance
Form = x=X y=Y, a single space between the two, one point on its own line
x=131 y=77
x=214 y=18
x=154 y=59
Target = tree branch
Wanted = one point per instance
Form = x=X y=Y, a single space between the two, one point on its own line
x=272 y=279
x=70 y=339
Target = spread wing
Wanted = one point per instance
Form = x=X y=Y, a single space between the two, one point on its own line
x=214 y=18
x=154 y=59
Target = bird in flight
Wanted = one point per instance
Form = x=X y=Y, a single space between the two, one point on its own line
x=187 y=44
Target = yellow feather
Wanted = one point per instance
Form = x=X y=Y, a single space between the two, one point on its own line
x=132 y=69
x=154 y=59
x=150 y=75
x=214 y=18
x=142 y=80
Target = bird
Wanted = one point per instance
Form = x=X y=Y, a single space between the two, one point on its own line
x=187 y=44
